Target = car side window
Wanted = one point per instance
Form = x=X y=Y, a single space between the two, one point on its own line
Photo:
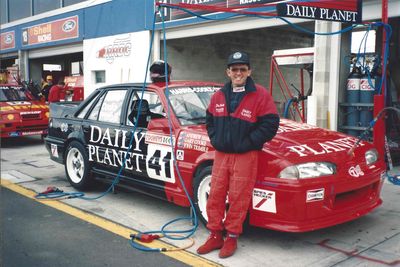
x=151 y=108
x=83 y=111
x=112 y=105
x=94 y=114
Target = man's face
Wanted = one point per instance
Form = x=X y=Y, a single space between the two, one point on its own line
x=238 y=74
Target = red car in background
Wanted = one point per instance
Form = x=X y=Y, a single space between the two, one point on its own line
x=20 y=113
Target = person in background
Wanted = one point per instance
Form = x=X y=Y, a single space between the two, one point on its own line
x=47 y=86
x=55 y=92
x=157 y=71
x=240 y=118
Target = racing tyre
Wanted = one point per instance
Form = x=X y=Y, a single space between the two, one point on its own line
x=77 y=166
x=201 y=190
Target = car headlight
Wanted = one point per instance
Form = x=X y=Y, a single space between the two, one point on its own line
x=371 y=156
x=308 y=170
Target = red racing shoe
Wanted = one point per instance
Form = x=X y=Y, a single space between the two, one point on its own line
x=214 y=241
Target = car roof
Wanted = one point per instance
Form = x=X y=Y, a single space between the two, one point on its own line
x=162 y=85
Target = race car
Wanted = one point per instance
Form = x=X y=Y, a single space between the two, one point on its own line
x=20 y=113
x=308 y=178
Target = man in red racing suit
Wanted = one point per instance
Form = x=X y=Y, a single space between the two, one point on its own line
x=241 y=117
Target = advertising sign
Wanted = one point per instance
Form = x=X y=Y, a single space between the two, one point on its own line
x=57 y=30
x=118 y=47
x=348 y=11
x=7 y=40
x=342 y=11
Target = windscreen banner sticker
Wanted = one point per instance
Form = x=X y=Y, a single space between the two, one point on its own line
x=315 y=195
x=264 y=200
x=18 y=103
x=110 y=147
x=187 y=90
x=337 y=145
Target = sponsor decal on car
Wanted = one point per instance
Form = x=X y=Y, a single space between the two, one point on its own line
x=64 y=127
x=54 y=150
x=315 y=195
x=355 y=171
x=193 y=141
x=13 y=134
x=264 y=200
x=342 y=144
x=180 y=154
x=158 y=139
x=30 y=112
x=110 y=147
x=33 y=133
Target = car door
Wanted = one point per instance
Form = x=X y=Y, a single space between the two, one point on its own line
x=151 y=161
x=102 y=130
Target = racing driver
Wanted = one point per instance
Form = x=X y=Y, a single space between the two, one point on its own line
x=241 y=117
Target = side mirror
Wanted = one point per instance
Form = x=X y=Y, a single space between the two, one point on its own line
x=160 y=124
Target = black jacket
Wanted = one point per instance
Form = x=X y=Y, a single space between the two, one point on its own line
x=254 y=121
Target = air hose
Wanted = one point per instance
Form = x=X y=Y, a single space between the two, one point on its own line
x=170 y=234
x=394 y=179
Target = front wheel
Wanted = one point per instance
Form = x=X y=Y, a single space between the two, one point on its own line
x=77 y=166
x=201 y=189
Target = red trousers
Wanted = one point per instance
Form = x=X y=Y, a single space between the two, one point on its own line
x=233 y=175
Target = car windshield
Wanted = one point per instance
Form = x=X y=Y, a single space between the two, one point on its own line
x=190 y=103
x=12 y=93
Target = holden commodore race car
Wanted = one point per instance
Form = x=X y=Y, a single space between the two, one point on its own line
x=307 y=177
x=21 y=114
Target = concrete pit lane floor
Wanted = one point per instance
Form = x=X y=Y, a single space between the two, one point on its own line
x=372 y=240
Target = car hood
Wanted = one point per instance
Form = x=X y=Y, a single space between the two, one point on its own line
x=300 y=142
x=22 y=106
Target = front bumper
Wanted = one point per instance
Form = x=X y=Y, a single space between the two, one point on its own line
x=308 y=206
x=16 y=130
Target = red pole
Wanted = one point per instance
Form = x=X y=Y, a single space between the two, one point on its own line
x=379 y=100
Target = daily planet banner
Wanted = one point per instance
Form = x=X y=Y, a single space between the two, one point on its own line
x=348 y=11
x=342 y=11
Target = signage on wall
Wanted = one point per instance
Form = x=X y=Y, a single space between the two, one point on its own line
x=57 y=30
x=120 y=47
x=343 y=11
x=7 y=40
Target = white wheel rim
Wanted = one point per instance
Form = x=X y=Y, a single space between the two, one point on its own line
x=75 y=165
x=202 y=196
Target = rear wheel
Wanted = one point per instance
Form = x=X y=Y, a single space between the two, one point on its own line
x=77 y=166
